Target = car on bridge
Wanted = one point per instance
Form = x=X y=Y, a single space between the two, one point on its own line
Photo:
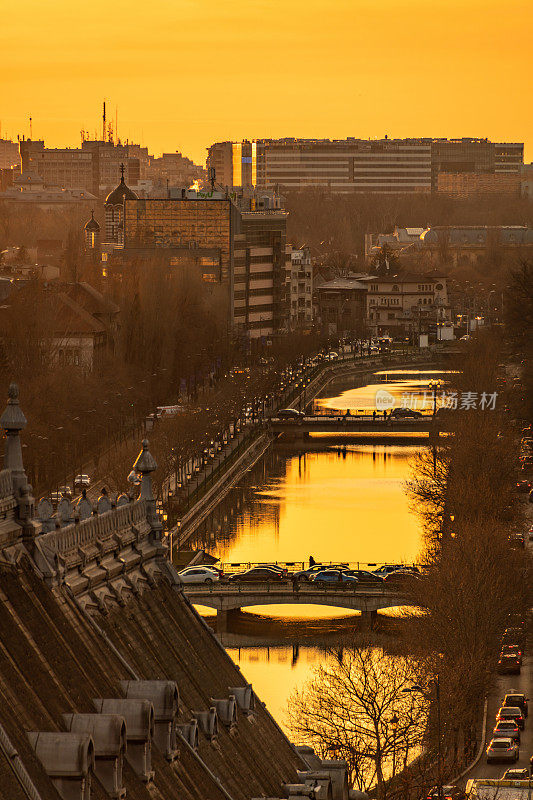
x=290 y=413
x=405 y=413
x=364 y=576
x=400 y=579
x=502 y=750
x=257 y=575
x=386 y=569
x=199 y=574
x=309 y=573
x=335 y=576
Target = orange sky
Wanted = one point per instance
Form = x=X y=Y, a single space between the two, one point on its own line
x=186 y=73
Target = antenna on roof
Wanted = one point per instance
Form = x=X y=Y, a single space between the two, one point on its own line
x=103 y=123
x=31 y=128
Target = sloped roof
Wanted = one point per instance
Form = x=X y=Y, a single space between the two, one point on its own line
x=89 y=298
x=52 y=661
x=71 y=318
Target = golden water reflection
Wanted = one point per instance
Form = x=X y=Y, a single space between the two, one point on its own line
x=345 y=502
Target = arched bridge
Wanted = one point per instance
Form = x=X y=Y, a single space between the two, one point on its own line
x=232 y=596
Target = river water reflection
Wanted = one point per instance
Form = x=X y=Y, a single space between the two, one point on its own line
x=342 y=501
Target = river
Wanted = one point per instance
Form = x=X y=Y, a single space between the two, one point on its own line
x=340 y=502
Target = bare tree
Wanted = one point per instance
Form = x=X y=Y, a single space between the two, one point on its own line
x=355 y=707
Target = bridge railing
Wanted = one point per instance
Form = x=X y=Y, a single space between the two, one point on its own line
x=287 y=587
x=230 y=567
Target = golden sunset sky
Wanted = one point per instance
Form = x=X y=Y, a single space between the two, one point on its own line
x=186 y=73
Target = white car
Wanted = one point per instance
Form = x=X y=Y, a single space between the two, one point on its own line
x=198 y=575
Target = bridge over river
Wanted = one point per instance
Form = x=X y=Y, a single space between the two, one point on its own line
x=232 y=596
x=362 y=423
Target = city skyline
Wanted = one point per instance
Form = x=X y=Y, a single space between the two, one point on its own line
x=192 y=74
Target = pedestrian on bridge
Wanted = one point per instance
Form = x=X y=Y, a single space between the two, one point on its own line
x=374 y=415
x=312 y=561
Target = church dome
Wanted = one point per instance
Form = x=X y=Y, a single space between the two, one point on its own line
x=121 y=193
x=92 y=224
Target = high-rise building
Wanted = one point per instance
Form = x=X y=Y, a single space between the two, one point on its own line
x=357 y=165
x=237 y=242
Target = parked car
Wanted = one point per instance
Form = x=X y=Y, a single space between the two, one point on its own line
x=290 y=413
x=405 y=413
x=516 y=700
x=284 y=572
x=511 y=712
x=448 y=793
x=257 y=574
x=364 y=576
x=309 y=573
x=507 y=727
x=335 y=576
x=386 y=569
x=516 y=774
x=502 y=750
x=508 y=664
x=82 y=481
x=400 y=579
x=198 y=575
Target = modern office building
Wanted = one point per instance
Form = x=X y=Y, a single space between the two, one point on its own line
x=357 y=165
x=233 y=242
x=95 y=167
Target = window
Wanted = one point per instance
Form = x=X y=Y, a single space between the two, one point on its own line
x=391 y=316
x=439 y=287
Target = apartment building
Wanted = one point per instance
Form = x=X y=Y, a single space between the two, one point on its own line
x=357 y=165
x=301 y=286
x=405 y=304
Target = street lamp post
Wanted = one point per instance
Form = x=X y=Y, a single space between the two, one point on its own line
x=417 y=688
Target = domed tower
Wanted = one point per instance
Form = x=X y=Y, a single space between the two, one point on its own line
x=92 y=233
x=114 y=211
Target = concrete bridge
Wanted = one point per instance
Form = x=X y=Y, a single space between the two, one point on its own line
x=335 y=424
x=232 y=596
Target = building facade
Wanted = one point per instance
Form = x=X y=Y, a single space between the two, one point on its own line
x=239 y=243
x=357 y=165
x=9 y=154
x=341 y=306
x=301 y=285
x=406 y=305
x=462 y=185
x=95 y=167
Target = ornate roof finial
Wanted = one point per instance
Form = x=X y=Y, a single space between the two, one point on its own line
x=122 y=173
x=144 y=465
x=13 y=419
